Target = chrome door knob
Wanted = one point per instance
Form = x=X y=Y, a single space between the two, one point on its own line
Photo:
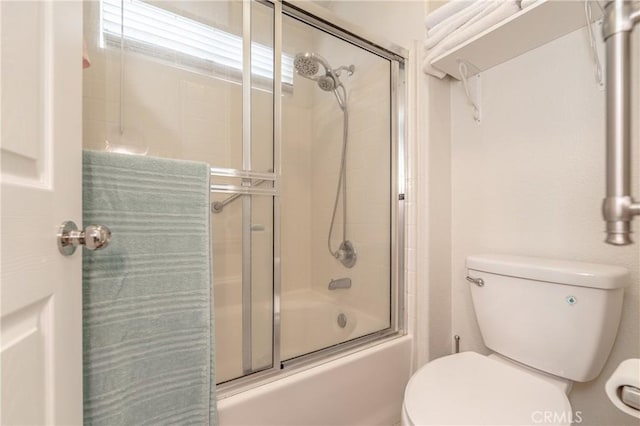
x=94 y=237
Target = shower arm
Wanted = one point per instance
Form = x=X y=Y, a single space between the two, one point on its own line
x=619 y=208
x=349 y=69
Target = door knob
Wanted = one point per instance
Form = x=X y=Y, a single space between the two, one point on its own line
x=94 y=237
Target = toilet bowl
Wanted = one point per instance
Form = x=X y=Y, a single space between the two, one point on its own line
x=473 y=389
x=549 y=323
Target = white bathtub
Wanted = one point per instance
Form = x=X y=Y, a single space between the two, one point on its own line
x=309 y=321
x=364 y=388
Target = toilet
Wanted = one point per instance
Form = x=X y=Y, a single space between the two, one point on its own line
x=548 y=323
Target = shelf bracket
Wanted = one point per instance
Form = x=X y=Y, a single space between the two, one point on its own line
x=597 y=66
x=470 y=76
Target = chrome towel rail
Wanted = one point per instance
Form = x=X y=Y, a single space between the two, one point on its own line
x=248 y=183
x=218 y=206
x=619 y=208
x=235 y=173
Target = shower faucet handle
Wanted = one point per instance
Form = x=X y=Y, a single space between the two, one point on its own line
x=346 y=254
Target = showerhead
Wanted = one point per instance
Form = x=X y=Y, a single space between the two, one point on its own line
x=306 y=64
x=327 y=83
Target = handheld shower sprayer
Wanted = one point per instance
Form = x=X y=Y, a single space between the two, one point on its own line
x=307 y=65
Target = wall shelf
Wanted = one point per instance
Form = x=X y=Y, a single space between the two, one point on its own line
x=530 y=28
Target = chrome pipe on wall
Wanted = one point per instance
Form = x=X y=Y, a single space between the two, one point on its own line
x=618 y=208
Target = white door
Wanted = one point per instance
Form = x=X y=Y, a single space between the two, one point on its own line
x=40 y=149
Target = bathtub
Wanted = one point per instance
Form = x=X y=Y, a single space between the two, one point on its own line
x=309 y=321
x=312 y=321
x=365 y=387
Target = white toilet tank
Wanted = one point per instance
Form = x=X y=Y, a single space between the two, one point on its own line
x=557 y=316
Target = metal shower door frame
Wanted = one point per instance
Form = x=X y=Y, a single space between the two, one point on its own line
x=247 y=188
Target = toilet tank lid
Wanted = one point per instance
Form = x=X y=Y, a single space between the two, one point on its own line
x=583 y=274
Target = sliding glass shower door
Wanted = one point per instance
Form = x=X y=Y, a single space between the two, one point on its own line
x=299 y=121
x=336 y=192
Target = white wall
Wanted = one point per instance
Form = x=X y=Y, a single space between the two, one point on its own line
x=434 y=334
x=398 y=21
x=529 y=180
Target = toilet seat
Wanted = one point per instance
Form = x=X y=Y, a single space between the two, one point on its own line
x=472 y=389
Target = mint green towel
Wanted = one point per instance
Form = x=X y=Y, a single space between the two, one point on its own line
x=147 y=297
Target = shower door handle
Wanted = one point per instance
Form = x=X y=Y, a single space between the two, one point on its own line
x=94 y=237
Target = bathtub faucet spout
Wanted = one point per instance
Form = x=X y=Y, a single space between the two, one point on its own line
x=340 y=283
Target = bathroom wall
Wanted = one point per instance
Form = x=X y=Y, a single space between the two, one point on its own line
x=434 y=334
x=529 y=180
x=397 y=21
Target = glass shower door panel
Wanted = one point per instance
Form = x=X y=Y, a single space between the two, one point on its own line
x=262 y=80
x=167 y=79
x=261 y=157
x=261 y=282
x=336 y=192
x=226 y=228
x=243 y=320
x=158 y=83
x=244 y=311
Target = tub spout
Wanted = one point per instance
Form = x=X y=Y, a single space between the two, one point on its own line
x=340 y=283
